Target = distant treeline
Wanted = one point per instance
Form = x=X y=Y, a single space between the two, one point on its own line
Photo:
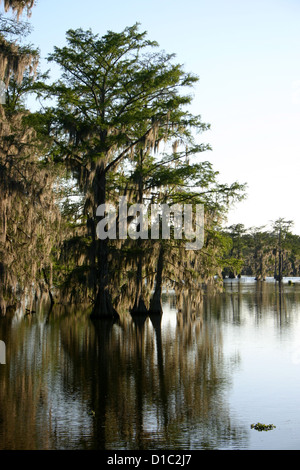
x=259 y=252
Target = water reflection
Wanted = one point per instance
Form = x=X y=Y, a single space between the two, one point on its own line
x=142 y=383
x=259 y=298
x=151 y=387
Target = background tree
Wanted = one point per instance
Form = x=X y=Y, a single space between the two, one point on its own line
x=292 y=242
x=281 y=228
x=236 y=233
x=29 y=216
x=260 y=244
x=27 y=210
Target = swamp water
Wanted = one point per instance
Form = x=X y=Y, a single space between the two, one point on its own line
x=183 y=381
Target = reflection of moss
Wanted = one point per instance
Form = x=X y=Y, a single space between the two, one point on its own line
x=262 y=427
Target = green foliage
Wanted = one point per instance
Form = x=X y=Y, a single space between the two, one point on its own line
x=262 y=427
x=114 y=94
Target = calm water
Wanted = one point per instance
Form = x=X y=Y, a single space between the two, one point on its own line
x=190 y=381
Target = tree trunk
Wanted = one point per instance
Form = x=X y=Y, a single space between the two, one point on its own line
x=102 y=307
x=139 y=305
x=48 y=285
x=280 y=266
x=155 y=304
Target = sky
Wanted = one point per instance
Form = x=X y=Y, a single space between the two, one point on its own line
x=247 y=57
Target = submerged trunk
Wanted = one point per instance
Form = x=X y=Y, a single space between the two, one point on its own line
x=139 y=305
x=102 y=307
x=280 y=266
x=48 y=284
x=155 y=304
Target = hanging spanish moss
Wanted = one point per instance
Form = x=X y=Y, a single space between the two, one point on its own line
x=14 y=58
x=18 y=6
x=30 y=222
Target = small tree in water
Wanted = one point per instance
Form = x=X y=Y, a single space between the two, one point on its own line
x=281 y=228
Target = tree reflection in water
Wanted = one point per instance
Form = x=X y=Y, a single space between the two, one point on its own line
x=151 y=385
x=142 y=383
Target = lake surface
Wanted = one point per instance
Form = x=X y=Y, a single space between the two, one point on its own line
x=190 y=380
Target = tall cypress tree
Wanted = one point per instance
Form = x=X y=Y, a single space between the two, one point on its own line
x=117 y=93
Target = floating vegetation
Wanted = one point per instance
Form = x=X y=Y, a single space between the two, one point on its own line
x=262 y=427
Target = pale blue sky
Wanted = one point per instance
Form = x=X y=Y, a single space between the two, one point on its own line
x=247 y=56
